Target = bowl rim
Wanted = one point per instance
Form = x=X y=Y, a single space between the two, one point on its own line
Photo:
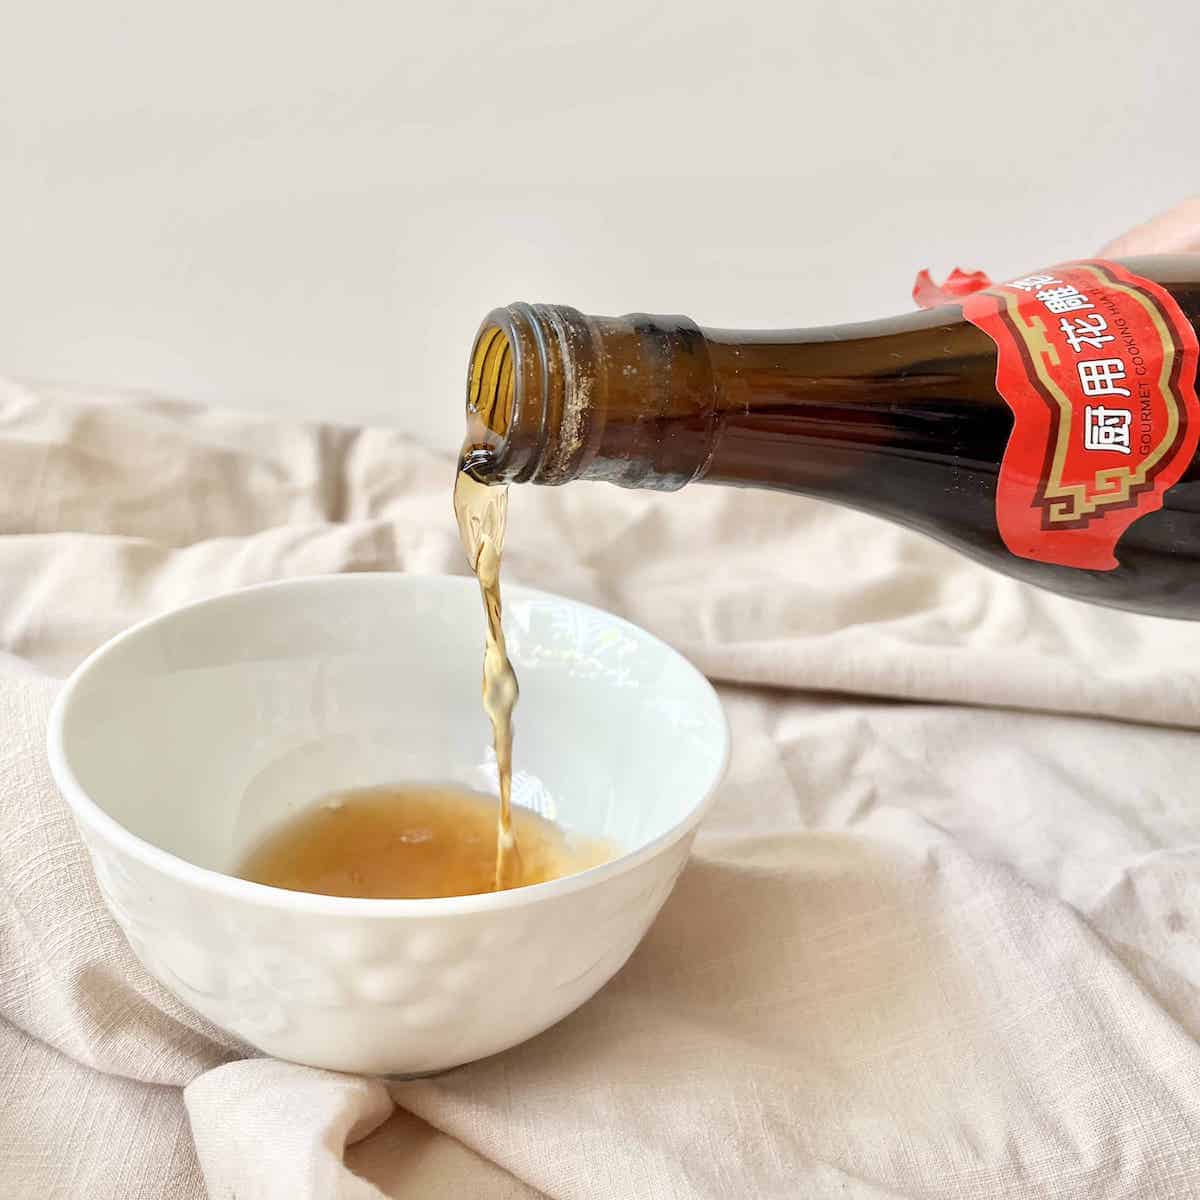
x=88 y=812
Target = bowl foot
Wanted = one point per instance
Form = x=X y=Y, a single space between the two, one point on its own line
x=410 y=1075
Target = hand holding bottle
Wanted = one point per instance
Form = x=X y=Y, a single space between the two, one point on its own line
x=1176 y=231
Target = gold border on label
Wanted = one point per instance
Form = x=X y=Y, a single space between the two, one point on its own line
x=1070 y=502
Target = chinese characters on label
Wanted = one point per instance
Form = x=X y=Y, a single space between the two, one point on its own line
x=1098 y=367
x=1104 y=428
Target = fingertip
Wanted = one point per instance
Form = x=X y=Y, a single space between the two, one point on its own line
x=1176 y=231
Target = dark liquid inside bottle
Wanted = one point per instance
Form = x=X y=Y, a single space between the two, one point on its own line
x=898 y=417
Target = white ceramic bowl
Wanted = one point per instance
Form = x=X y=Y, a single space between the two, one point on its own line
x=181 y=741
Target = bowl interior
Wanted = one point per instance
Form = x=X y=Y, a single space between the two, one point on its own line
x=200 y=731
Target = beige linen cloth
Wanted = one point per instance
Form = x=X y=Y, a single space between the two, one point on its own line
x=941 y=936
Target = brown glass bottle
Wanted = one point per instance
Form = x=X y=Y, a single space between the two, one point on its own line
x=898 y=417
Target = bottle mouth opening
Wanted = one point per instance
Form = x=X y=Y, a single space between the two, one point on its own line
x=526 y=407
x=504 y=397
x=491 y=384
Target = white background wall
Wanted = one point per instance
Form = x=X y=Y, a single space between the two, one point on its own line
x=307 y=207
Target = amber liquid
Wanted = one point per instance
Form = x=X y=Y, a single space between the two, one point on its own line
x=412 y=842
x=482 y=514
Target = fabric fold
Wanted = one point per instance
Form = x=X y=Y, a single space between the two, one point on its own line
x=938 y=938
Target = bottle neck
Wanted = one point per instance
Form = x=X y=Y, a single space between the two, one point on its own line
x=655 y=402
x=554 y=395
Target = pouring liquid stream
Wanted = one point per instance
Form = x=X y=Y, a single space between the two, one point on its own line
x=482 y=514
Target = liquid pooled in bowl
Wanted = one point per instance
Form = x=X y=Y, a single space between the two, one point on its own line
x=413 y=842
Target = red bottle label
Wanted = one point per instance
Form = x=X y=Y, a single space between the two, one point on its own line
x=1099 y=368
